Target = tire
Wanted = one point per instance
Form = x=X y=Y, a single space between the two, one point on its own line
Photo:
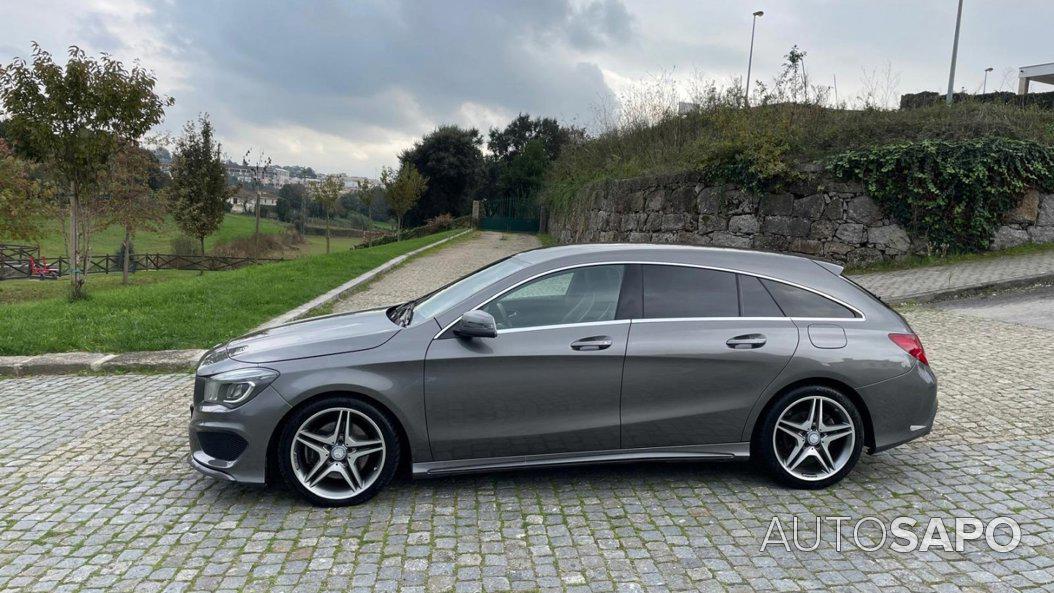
x=801 y=453
x=329 y=466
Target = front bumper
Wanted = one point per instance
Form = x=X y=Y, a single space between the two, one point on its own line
x=902 y=408
x=248 y=426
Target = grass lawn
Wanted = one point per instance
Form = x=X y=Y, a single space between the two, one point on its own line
x=189 y=312
x=17 y=291
x=109 y=240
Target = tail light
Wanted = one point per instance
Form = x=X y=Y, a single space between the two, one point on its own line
x=911 y=344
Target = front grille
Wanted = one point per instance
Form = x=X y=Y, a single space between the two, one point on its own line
x=222 y=445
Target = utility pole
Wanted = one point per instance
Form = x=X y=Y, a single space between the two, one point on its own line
x=955 y=51
x=750 y=58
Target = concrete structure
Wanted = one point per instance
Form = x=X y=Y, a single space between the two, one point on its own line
x=1039 y=73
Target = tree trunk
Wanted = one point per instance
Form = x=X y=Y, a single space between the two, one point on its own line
x=201 y=270
x=74 y=260
x=124 y=264
x=327 y=232
x=303 y=214
x=399 y=228
x=256 y=233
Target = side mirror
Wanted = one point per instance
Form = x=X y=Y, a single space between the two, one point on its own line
x=476 y=324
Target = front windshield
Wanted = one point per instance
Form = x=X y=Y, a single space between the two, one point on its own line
x=452 y=294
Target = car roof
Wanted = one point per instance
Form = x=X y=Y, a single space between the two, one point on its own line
x=746 y=258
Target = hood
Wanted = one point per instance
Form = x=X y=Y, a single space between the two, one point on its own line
x=332 y=334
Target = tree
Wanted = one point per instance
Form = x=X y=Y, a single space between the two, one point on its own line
x=199 y=190
x=505 y=144
x=365 y=195
x=74 y=119
x=259 y=168
x=524 y=173
x=24 y=200
x=292 y=204
x=402 y=190
x=327 y=193
x=132 y=203
x=451 y=160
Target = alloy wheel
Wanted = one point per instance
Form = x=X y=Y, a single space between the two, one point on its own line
x=338 y=453
x=814 y=438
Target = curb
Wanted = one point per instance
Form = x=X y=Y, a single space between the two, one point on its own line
x=64 y=363
x=161 y=361
x=966 y=291
x=336 y=293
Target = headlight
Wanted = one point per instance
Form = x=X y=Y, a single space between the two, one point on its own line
x=234 y=388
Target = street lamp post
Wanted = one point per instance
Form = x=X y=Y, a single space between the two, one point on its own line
x=984 y=85
x=955 y=51
x=750 y=59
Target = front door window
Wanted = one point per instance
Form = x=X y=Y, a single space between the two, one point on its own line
x=580 y=295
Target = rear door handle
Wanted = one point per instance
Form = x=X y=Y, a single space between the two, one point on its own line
x=592 y=343
x=747 y=341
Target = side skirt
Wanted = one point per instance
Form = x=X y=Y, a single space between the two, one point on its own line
x=718 y=452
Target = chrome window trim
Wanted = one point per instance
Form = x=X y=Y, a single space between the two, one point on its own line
x=517 y=330
x=861 y=316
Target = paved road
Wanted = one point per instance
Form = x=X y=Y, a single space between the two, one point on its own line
x=95 y=494
x=424 y=274
x=1032 y=306
x=918 y=283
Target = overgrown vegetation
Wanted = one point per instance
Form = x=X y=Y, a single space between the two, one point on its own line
x=762 y=146
x=789 y=123
x=953 y=194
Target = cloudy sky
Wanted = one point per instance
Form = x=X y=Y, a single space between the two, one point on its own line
x=345 y=85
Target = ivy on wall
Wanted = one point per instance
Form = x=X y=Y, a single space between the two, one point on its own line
x=953 y=194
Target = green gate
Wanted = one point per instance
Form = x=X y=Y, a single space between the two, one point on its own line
x=510 y=214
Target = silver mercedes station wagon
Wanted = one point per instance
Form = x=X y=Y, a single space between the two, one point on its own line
x=572 y=355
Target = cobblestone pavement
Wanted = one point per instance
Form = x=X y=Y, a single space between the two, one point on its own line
x=904 y=285
x=95 y=494
x=426 y=273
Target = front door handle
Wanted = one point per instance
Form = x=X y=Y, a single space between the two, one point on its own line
x=747 y=341
x=592 y=343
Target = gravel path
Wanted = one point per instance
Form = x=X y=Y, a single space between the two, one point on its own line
x=429 y=272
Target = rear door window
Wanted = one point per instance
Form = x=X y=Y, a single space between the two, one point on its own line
x=798 y=302
x=755 y=300
x=679 y=291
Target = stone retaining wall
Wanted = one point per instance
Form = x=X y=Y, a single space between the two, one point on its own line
x=828 y=219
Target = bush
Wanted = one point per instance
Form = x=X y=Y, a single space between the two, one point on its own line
x=267 y=245
x=954 y=194
x=184 y=245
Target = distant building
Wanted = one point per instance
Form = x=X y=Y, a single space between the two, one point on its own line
x=1036 y=73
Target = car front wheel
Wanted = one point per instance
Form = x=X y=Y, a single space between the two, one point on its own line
x=338 y=451
x=811 y=437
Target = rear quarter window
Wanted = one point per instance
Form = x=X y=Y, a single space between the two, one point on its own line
x=798 y=302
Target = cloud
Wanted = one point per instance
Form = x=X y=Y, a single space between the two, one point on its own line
x=346 y=84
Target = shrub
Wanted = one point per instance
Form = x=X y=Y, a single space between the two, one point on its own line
x=954 y=194
x=184 y=245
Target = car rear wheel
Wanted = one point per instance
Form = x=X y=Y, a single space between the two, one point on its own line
x=811 y=437
x=338 y=451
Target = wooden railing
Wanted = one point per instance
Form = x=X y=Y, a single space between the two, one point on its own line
x=14 y=263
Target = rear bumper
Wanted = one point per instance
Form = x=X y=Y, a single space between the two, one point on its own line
x=902 y=408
